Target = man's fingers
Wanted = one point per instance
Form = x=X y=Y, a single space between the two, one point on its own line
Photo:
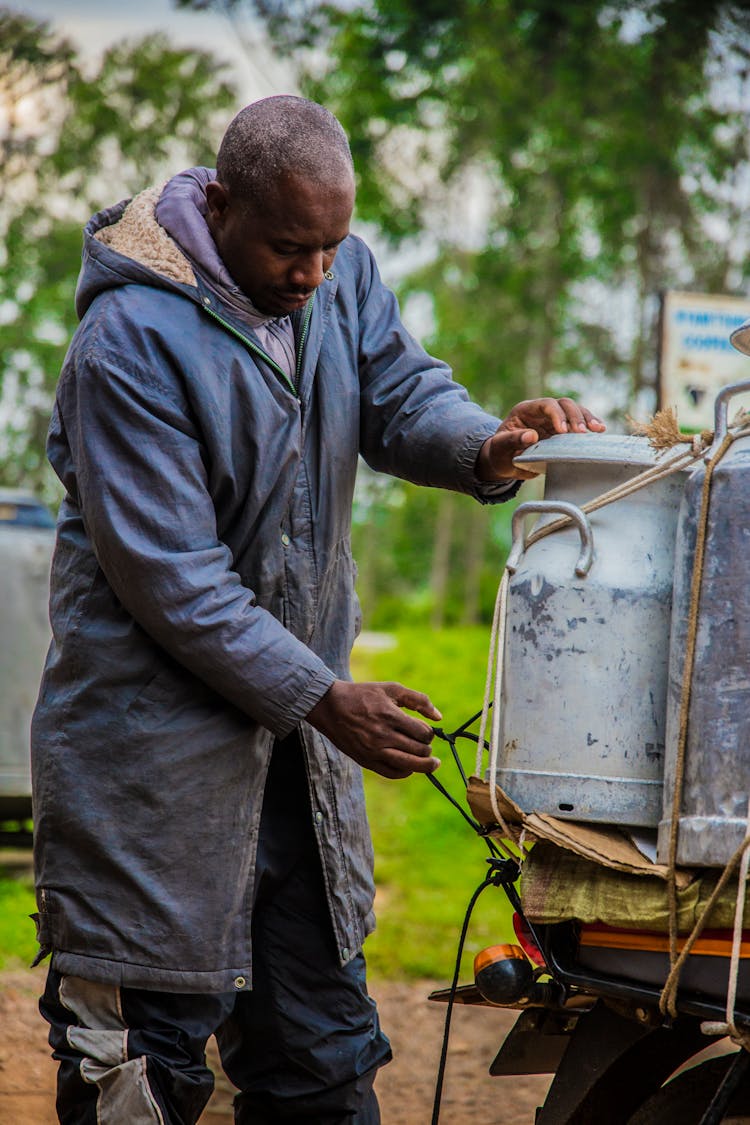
x=560 y=416
x=506 y=445
x=578 y=419
x=418 y=747
x=543 y=414
x=504 y=440
x=574 y=419
x=552 y=416
x=392 y=775
x=592 y=422
x=400 y=765
x=414 y=700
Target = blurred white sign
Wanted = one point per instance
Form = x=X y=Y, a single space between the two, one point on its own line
x=697 y=359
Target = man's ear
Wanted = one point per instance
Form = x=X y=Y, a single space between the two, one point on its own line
x=217 y=198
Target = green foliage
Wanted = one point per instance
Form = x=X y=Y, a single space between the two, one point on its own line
x=427 y=860
x=595 y=135
x=564 y=163
x=393 y=540
x=72 y=141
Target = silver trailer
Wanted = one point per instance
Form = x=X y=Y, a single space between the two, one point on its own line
x=27 y=535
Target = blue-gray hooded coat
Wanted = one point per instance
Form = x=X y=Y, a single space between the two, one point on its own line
x=203 y=597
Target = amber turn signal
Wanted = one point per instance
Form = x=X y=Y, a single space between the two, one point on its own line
x=503 y=973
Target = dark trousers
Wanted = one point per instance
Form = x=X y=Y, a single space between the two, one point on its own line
x=303 y=1046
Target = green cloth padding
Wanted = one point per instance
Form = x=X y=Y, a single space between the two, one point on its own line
x=557 y=885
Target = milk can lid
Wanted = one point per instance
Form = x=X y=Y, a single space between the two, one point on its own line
x=740 y=338
x=620 y=449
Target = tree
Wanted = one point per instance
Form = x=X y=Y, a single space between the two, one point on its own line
x=72 y=142
x=597 y=141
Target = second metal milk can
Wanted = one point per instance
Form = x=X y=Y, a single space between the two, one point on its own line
x=714 y=805
x=585 y=663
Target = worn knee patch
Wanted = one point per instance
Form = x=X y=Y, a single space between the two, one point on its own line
x=102 y=1041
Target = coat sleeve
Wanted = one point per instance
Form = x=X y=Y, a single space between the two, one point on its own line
x=416 y=422
x=138 y=477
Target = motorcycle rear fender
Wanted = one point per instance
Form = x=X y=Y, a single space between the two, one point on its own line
x=535 y=1044
x=611 y=1064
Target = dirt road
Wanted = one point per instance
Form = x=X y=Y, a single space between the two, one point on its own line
x=405 y=1087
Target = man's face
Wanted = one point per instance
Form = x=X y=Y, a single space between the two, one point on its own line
x=279 y=250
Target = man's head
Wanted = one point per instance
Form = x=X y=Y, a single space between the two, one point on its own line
x=282 y=200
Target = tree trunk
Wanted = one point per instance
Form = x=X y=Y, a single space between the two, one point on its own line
x=367 y=585
x=640 y=342
x=473 y=560
x=441 y=557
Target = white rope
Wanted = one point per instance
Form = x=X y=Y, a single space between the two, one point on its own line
x=490 y=678
x=739 y=914
x=729 y=1027
x=492 y=693
x=497 y=695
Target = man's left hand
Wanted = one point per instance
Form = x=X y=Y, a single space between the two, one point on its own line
x=526 y=424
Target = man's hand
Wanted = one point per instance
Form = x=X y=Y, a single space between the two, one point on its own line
x=525 y=424
x=365 y=722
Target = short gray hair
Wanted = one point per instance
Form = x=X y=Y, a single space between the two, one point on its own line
x=277 y=136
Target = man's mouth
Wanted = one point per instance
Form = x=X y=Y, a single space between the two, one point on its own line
x=295 y=299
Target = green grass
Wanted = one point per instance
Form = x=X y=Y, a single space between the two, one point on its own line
x=17 y=942
x=427 y=860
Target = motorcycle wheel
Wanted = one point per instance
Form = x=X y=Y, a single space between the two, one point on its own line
x=685 y=1099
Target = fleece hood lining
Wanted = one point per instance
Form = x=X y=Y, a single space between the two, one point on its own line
x=138 y=236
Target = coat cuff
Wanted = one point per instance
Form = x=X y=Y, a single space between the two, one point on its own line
x=486 y=492
x=312 y=693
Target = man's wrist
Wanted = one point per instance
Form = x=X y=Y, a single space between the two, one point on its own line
x=318 y=713
x=483 y=464
x=483 y=469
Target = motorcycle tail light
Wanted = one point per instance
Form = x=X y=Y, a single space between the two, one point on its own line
x=527 y=943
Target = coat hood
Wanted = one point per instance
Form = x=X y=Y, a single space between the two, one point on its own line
x=124 y=245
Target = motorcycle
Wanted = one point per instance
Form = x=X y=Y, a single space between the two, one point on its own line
x=589 y=1013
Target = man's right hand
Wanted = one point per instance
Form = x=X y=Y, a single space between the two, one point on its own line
x=365 y=722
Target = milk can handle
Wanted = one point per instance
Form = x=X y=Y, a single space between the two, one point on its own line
x=586 y=557
x=721 y=409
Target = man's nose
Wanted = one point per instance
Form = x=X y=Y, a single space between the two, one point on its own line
x=308 y=271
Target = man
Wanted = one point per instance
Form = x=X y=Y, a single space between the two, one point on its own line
x=202 y=853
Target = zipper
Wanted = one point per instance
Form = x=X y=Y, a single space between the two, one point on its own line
x=293 y=385
x=302 y=338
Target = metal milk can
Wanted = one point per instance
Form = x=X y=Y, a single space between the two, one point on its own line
x=585 y=661
x=714 y=806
